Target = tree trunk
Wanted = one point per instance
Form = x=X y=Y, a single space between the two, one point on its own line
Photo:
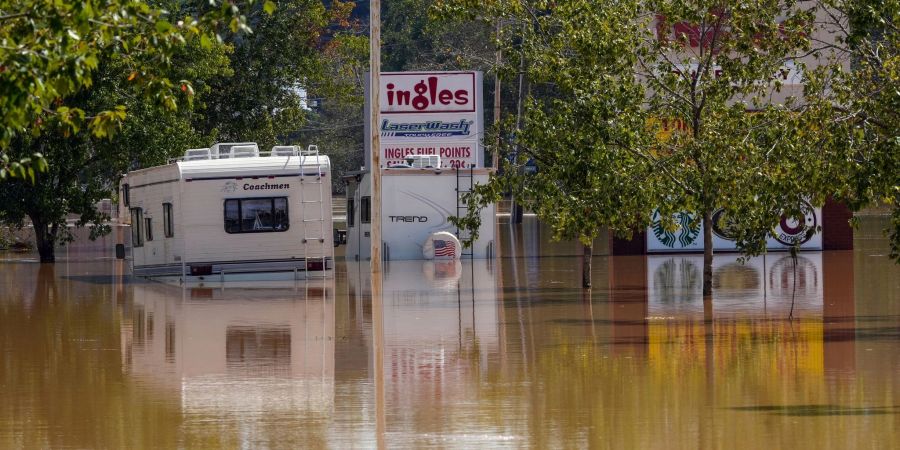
x=45 y=238
x=586 y=266
x=707 y=253
x=517 y=212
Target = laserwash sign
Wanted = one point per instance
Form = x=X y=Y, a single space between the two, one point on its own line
x=431 y=113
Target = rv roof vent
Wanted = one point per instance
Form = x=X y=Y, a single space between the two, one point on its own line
x=244 y=151
x=312 y=150
x=222 y=150
x=424 y=161
x=196 y=154
x=284 y=150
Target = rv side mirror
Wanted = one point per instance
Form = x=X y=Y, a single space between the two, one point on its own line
x=120 y=251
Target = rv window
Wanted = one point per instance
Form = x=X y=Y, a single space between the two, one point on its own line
x=137 y=221
x=365 y=210
x=168 y=224
x=126 y=195
x=351 y=210
x=255 y=215
x=149 y=228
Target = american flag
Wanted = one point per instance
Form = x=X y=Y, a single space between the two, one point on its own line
x=444 y=248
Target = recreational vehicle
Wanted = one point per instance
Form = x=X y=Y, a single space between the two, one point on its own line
x=417 y=200
x=230 y=213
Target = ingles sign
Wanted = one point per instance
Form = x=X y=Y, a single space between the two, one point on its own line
x=431 y=113
x=439 y=92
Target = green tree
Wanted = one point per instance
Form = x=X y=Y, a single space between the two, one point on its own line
x=125 y=92
x=865 y=106
x=274 y=70
x=579 y=120
x=607 y=76
x=50 y=50
x=85 y=167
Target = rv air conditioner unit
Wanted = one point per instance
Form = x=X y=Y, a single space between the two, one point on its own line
x=284 y=150
x=196 y=154
x=424 y=161
x=223 y=150
x=244 y=151
x=312 y=150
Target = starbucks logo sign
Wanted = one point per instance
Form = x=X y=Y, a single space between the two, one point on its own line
x=685 y=235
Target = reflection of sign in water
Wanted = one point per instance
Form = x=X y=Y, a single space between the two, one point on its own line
x=736 y=277
x=761 y=285
x=782 y=277
x=676 y=279
x=686 y=233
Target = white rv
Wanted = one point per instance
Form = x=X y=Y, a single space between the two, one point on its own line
x=417 y=200
x=231 y=213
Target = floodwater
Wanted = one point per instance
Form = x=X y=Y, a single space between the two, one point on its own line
x=507 y=353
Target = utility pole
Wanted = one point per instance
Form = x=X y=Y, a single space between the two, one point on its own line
x=375 y=138
x=375 y=214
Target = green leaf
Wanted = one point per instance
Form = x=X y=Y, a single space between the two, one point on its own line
x=269 y=7
x=163 y=26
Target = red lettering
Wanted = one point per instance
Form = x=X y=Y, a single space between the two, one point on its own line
x=425 y=94
x=445 y=97
x=456 y=152
x=403 y=97
x=462 y=97
x=432 y=87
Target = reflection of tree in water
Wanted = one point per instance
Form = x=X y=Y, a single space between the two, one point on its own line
x=676 y=279
x=736 y=276
x=781 y=277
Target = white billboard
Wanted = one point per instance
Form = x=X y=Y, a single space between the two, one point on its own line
x=688 y=236
x=430 y=113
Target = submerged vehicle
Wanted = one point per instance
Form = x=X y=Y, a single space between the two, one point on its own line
x=231 y=213
x=418 y=199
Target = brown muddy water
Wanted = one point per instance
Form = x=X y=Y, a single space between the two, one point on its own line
x=507 y=353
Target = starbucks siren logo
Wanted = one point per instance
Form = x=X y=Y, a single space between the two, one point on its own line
x=685 y=235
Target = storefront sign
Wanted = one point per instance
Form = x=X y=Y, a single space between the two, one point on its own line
x=688 y=233
x=431 y=113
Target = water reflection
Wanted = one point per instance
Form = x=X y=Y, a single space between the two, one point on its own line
x=246 y=359
x=759 y=286
x=506 y=353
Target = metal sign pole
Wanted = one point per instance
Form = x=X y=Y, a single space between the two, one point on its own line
x=374 y=116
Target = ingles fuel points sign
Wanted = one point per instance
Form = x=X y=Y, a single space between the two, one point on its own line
x=431 y=113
